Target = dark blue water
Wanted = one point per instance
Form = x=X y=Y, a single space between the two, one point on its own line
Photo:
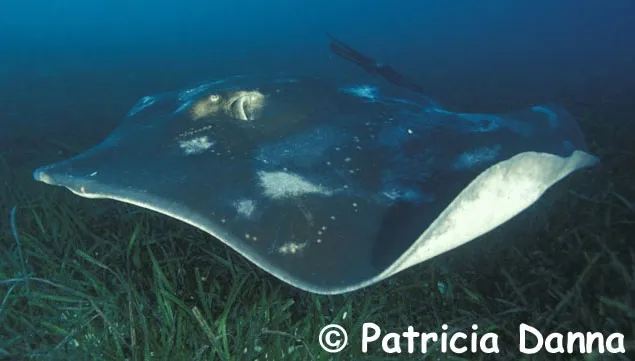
x=75 y=67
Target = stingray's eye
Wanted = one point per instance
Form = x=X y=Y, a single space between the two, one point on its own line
x=214 y=98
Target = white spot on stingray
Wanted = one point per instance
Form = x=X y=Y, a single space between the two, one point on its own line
x=392 y=194
x=291 y=248
x=362 y=91
x=193 y=131
x=284 y=185
x=245 y=207
x=192 y=92
x=196 y=145
x=476 y=156
x=404 y=101
x=142 y=104
x=439 y=110
x=189 y=93
x=287 y=80
x=183 y=107
x=551 y=116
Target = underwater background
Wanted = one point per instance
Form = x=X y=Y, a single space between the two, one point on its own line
x=71 y=70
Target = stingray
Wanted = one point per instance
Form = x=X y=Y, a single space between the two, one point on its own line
x=328 y=186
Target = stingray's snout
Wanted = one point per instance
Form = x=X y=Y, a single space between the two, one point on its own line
x=59 y=174
x=56 y=174
x=41 y=175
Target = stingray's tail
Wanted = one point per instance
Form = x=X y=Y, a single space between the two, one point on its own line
x=343 y=50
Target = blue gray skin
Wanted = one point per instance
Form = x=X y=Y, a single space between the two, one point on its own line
x=329 y=187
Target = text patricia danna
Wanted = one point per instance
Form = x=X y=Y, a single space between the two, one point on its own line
x=531 y=341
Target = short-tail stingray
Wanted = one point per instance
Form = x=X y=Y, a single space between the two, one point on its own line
x=329 y=187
